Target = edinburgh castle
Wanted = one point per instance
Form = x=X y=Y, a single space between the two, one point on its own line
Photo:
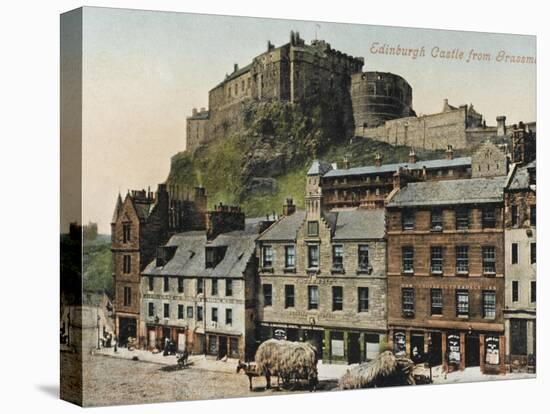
x=376 y=105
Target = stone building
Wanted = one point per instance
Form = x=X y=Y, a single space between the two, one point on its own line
x=322 y=278
x=199 y=291
x=520 y=268
x=446 y=272
x=461 y=127
x=489 y=161
x=378 y=97
x=141 y=223
x=369 y=186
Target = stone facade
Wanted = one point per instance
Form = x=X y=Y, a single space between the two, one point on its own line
x=520 y=267
x=489 y=161
x=446 y=280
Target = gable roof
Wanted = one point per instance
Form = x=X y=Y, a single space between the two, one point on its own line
x=520 y=179
x=286 y=229
x=450 y=192
x=190 y=256
x=319 y=167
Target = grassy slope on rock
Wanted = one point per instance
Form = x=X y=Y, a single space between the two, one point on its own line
x=288 y=136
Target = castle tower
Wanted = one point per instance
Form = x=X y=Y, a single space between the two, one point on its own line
x=314 y=194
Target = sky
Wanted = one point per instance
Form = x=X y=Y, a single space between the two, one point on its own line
x=144 y=71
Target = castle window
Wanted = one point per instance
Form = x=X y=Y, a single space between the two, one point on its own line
x=126 y=232
x=127 y=296
x=127 y=263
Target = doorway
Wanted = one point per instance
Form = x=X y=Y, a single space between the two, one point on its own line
x=472 y=350
x=222 y=347
x=354 y=348
x=417 y=347
x=127 y=329
x=436 y=349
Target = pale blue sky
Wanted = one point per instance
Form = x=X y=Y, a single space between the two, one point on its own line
x=144 y=71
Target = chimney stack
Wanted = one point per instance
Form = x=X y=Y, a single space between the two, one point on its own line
x=289 y=207
x=224 y=219
x=378 y=159
x=412 y=156
x=194 y=111
x=235 y=67
x=449 y=152
x=501 y=125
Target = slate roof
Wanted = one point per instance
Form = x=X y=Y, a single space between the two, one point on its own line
x=345 y=225
x=449 y=192
x=189 y=258
x=319 y=167
x=142 y=209
x=235 y=74
x=286 y=228
x=384 y=168
x=520 y=180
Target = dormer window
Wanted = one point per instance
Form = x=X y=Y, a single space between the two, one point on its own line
x=165 y=254
x=214 y=255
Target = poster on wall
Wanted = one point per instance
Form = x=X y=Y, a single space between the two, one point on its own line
x=453 y=348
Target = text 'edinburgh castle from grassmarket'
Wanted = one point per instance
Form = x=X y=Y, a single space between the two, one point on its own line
x=315 y=226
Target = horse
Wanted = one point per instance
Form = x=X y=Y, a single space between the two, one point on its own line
x=250 y=371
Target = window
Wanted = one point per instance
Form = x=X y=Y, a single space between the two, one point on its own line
x=515 y=216
x=199 y=313
x=488 y=218
x=313 y=297
x=462 y=261
x=229 y=316
x=436 y=298
x=127 y=296
x=190 y=312
x=337 y=298
x=533 y=291
x=151 y=309
x=268 y=295
x=407 y=253
x=180 y=311
x=180 y=284
x=166 y=284
x=514 y=253
x=228 y=287
x=533 y=253
x=363 y=257
x=408 y=220
x=312 y=228
x=290 y=256
x=488 y=253
x=533 y=215
x=515 y=291
x=462 y=216
x=151 y=283
x=462 y=303
x=289 y=296
x=214 y=290
x=436 y=258
x=166 y=310
x=200 y=285
x=267 y=255
x=313 y=256
x=338 y=257
x=126 y=229
x=127 y=263
x=214 y=315
x=363 y=299
x=407 y=302
x=489 y=304
x=437 y=220
x=210 y=258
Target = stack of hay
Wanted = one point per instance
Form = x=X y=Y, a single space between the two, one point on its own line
x=287 y=359
x=385 y=371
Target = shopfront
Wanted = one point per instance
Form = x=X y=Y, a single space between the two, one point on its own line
x=221 y=346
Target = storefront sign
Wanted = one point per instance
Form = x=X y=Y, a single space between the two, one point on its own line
x=492 y=350
x=453 y=348
x=399 y=343
x=337 y=347
x=279 y=334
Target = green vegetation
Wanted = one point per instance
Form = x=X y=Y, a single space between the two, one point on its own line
x=278 y=141
x=97 y=266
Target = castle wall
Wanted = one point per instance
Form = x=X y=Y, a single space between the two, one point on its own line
x=378 y=97
x=196 y=132
x=435 y=131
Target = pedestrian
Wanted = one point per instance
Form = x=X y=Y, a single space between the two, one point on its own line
x=116 y=343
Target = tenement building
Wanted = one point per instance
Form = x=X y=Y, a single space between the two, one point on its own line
x=446 y=272
x=322 y=278
x=521 y=258
x=199 y=290
x=141 y=223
